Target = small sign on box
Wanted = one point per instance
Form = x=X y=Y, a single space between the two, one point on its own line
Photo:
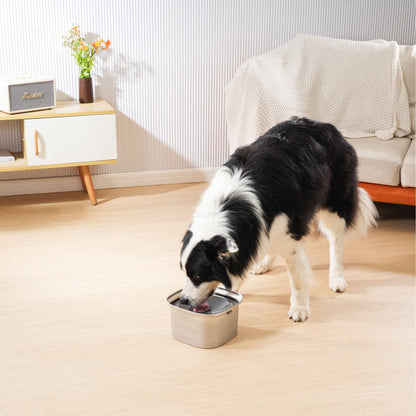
x=20 y=95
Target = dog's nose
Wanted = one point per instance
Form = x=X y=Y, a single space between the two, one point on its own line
x=184 y=301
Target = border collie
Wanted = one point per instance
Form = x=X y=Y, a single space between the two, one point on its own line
x=263 y=201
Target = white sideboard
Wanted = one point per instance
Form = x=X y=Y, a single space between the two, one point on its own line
x=70 y=134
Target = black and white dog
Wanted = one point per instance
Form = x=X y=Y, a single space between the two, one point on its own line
x=263 y=201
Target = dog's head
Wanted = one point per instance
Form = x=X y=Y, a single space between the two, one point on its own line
x=205 y=264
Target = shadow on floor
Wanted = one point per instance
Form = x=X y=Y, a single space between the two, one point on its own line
x=137 y=191
x=74 y=196
x=250 y=334
x=393 y=211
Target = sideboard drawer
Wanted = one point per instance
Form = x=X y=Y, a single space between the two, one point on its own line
x=50 y=141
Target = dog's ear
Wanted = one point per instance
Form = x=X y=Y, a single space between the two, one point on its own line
x=231 y=246
x=219 y=246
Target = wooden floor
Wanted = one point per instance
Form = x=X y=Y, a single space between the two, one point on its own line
x=85 y=328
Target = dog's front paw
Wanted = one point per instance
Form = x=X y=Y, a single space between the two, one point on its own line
x=337 y=284
x=299 y=313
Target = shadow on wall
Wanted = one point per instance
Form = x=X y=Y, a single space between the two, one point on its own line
x=138 y=149
x=62 y=96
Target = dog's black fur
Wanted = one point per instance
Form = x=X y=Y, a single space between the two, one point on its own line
x=296 y=168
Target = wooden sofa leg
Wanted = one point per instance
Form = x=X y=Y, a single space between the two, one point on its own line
x=84 y=173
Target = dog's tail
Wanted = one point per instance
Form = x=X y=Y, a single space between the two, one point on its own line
x=366 y=214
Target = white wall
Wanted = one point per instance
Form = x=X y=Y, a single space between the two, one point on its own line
x=170 y=60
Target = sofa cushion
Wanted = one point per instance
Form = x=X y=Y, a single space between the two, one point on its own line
x=379 y=161
x=408 y=176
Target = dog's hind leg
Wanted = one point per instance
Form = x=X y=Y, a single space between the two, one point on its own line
x=333 y=227
x=265 y=256
x=263 y=266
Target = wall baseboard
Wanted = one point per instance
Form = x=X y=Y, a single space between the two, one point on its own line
x=104 y=181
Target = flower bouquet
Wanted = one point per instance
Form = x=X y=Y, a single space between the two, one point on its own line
x=84 y=54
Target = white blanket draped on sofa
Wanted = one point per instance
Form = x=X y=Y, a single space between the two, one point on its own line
x=357 y=86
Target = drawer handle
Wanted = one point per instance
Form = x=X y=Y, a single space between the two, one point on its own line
x=36 y=143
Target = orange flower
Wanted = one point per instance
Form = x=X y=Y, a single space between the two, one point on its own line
x=84 y=47
x=107 y=44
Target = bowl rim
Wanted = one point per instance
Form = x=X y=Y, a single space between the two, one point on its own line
x=235 y=296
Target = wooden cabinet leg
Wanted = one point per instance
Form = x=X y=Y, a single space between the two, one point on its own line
x=84 y=173
x=82 y=179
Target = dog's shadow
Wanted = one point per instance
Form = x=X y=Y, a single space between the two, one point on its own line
x=248 y=334
x=262 y=315
x=253 y=299
x=258 y=313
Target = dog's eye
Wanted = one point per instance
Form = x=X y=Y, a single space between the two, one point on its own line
x=197 y=277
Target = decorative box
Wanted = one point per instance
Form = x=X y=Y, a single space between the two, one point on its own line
x=27 y=94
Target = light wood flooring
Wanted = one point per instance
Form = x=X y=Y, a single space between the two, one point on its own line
x=85 y=329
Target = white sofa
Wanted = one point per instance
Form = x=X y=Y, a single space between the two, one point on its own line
x=390 y=164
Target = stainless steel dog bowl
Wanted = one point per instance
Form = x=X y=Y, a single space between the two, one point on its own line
x=210 y=329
